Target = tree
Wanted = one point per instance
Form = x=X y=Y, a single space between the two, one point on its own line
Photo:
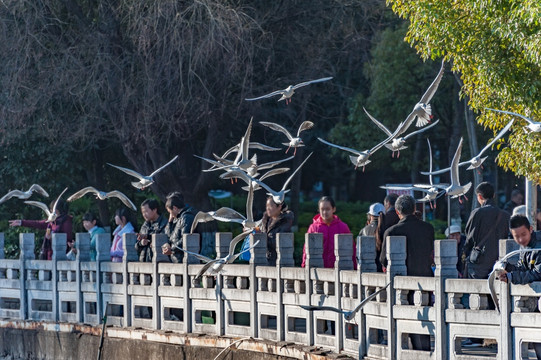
x=495 y=47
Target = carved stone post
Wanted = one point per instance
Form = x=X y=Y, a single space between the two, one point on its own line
x=222 y=249
x=366 y=262
x=103 y=253
x=314 y=259
x=59 y=254
x=82 y=243
x=130 y=255
x=343 y=251
x=2 y=253
x=258 y=257
x=506 y=334
x=445 y=257
x=26 y=246
x=396 y=265
x=191 y=243
x=284 y=250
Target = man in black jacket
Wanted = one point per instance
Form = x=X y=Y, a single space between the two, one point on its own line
x=484 y=229
x=180 y=222
x=419 y=251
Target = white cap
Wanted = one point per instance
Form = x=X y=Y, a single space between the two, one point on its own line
x=519 y=210
x=452 y=230
x=375 y=209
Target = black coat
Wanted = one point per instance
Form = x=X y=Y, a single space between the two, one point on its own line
x=181 y=225
x=419 y=245
x=271 y=228
x=148 y=228
x=484 y=229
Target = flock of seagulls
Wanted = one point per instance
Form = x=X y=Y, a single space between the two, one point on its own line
x=246 y=168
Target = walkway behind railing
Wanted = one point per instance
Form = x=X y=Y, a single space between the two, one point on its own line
x=263 y=301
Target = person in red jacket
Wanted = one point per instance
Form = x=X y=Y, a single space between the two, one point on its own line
x=328 y=224
x=62 y=225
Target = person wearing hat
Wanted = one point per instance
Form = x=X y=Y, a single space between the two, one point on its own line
x=454 y=232
x=373 y=215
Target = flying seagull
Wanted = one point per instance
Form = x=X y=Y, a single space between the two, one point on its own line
x=215 y=266
x=288 y=92
x=144 y=181
x=455 y=189
x=348 y=315
x=422 y=110
x=476 y=161
x=294 y=142
x=51 y=215
x=24 y=194
x=102 y=195
x=277 y=196
x=497 y=268
x=533 y=126
x=397 y=143
x=432 y=191
x=361 y=158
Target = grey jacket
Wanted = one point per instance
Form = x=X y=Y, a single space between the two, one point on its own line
x=528 y=267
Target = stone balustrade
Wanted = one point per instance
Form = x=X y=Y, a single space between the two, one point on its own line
x=263 y=301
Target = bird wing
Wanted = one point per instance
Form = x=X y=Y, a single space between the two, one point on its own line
x=128 y=171
x=217 y=165
x=272 y=163
x=437 y=172
x=125 y=200
x=356 y=152
x=277 y=127
x=250 y=204
x=380 y=125
x=305 y=126
x=530 y=121
x=427 y=96
x=201 y=216
x=13 y=193
x=41 y=205
x=297 y=169
x=259 y=146
x=277 y=92
x=199 y=256
x=226 y=214
x=421 y=130
x=311 y=82
x=397 y=187
x=163 y=166
x=243 y=251
x=244 y=147
x=321 y=308
x=37 y=188
x=366 y=300
x=454 y=164
x=273 y=172
x=500 y=134
x=236 y=240
x=79 y=194
x=430 y=157
x=58 y=198
x=492 y=289
x=515 y=252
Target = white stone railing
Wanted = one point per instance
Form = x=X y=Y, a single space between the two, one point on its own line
x=263 y=301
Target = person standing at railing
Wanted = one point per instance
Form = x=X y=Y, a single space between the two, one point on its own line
x=125 y=225
x=528 y=267
x=385 y=221
x=62 y=225
x=419 y=251
x=276 y=219
x=484 y=229
x=375 y=210
x=181 y=217
x=93 y=225
x=328 y=224
x=154 y=223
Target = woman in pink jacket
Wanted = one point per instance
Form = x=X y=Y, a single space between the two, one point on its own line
x=328 y=224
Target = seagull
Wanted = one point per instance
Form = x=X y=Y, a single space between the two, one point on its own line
x=362 y=156
x=432 y=191
x=226 y=214
x=476 y=161
x=144 y=181
x=51 y=215
x=294 y=142
x=102 y=195
x=497 y=268
x=348 y=315
x=455 y=189
x=277 y=196
x=397 y=143
x=422 y=110
x=251 y=145
x=288 y=92
x=263 y=177
x=215 y=266
x=24 y=194
x=533 y=126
